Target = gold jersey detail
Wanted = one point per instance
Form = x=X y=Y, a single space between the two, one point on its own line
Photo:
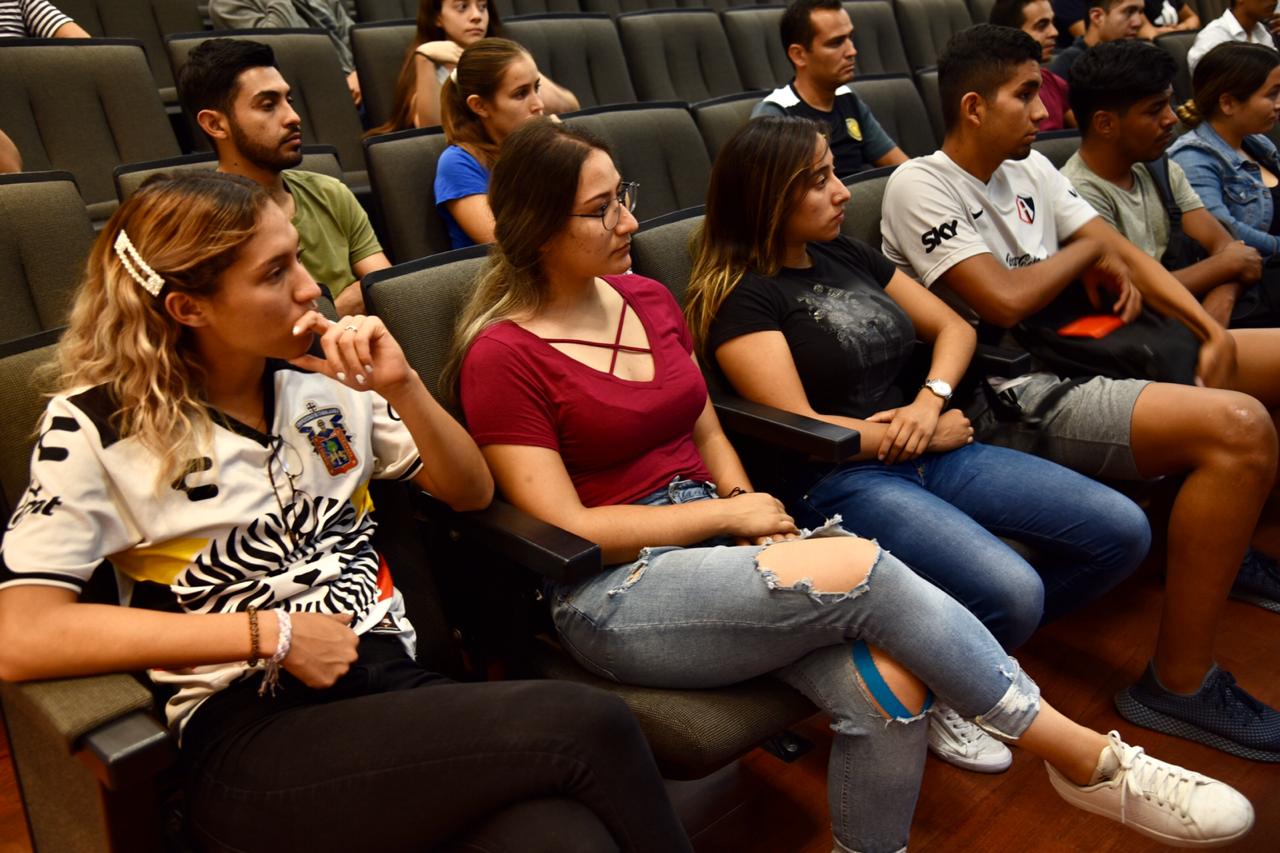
x=160 y=563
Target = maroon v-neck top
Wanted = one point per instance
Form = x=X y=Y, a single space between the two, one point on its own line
x=620 y=440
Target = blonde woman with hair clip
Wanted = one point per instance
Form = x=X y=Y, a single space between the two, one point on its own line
x=494 y=89
x=223 y=469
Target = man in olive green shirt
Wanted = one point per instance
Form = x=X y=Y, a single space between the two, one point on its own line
x=242 y=103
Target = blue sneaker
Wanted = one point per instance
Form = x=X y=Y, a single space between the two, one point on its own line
x=1258 y=581
x=1220 y=714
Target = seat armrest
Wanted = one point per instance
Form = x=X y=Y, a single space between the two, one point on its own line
x=1003 y=361
x=503 y=529
x=823 y=441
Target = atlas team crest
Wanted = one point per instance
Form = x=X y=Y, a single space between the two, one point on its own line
x=328 y=437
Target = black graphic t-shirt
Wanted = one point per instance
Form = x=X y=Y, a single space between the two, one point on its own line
x=848 y=338
x=279 y=520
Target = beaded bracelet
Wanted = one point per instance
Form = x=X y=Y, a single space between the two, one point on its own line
x=254 y=647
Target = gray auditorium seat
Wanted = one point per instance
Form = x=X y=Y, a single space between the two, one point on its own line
x=148 y=21
x=980 y=10
x=402 y=169
x=926 y=25
x=617 y=7
x=1210 y=10
x=1178 y=45
x=757 y=48
x=657 y=145
x=661 y=249
x=896 y=104
x=875 y=35
x=927 y=83
x=580 y=52
x=678 y=55
x=511 y=8
x=310 y=65
x=379 y=50
x=862 y=210
x=719 y=118
x=1058 y=145
x=370 y=11
x=130 y=176
x=82 y=106
x=45 y=235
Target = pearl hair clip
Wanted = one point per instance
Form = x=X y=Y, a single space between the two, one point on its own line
x=135 y=266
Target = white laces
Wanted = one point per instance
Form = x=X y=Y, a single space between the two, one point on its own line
x=959 y=726
x=1157 y=780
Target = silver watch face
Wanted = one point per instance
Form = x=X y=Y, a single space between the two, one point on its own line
x=940 y=387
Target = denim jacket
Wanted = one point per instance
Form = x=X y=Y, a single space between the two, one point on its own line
x=1231 y=187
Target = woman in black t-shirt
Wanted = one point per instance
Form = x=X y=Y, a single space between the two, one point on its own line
x=799 y=317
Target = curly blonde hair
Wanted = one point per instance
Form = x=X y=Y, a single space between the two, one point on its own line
x=188 y=228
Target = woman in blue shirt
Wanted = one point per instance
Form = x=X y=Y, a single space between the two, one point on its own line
x=1229 y=161
x=493 y=90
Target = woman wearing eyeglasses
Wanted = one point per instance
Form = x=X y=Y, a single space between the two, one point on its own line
x=579 y=384
x=224 y=471
x=495 y=89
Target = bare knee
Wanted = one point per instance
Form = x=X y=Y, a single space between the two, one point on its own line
x=909 y=691
x=834 y=564
x=1243 y=434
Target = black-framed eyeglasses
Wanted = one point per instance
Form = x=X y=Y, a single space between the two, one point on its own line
x=610 y=213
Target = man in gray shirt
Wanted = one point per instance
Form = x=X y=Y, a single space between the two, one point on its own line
x=327 y=15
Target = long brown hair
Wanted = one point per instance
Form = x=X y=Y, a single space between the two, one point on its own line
x=407 y=82
x=756 y=182
x=480 y=72
x=188 y=228
x=531 y=194
x=1232 y=68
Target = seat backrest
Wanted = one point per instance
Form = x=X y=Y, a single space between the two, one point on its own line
x=402 y=171
x=420 y=302
x=369 y=11
x=931 y=95
x=657 y=145
x=617 y=7
x=980 y=10
x=862 y=210
x=580 y=52
x=130 y=176
x=757 y=48
x=926 y=25
x=896 y=104
x=23 y=384
x=514 y=8
x=148 y=21
x=661 y=249
x=310 y=65
x=875 y=34
x=1178 y=45
x=678 y=55
x=1210 y=10
x=45 y=235
x=379 y=50
x=82 y=106
x=719 y=118
x=1058 y=145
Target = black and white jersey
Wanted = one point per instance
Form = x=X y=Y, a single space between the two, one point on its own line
x=37 y=19
x=278 y=520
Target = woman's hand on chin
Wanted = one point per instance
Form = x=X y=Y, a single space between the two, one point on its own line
x=359 y=352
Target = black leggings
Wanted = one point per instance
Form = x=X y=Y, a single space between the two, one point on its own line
x=396 y=758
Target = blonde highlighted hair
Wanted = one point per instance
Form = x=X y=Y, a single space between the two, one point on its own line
x=531 y=193
x=756 y=181
x=188 y=228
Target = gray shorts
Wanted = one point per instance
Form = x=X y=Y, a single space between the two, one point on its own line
x=1087 y=429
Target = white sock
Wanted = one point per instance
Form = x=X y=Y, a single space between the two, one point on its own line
x=1108 y=764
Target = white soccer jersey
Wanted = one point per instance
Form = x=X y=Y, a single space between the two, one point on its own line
x=935 y=214
x=279 y=520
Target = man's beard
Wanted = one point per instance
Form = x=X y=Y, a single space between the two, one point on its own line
x=273 y=158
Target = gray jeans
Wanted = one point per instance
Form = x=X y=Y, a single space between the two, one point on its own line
x=708 y=616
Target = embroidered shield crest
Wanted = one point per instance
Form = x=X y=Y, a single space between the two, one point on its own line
x=328 y=437
x=1026 y=209
x=855 y=129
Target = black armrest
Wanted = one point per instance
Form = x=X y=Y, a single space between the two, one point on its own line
x=1003 y=361
x=819 y=439
x=128 y=750
x=540 y=547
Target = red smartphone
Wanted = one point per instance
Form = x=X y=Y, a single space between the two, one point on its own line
x=1096 y=326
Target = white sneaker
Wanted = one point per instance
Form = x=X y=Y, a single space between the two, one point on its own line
x=957 y=741
x=1178 y=807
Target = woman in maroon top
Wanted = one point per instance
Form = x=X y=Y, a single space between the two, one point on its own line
x=579 y=384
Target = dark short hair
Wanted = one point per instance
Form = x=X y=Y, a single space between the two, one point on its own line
x=980 y=59
x=209 y=79
x=1008 y=13
x=795 y=27
x=1115 y=75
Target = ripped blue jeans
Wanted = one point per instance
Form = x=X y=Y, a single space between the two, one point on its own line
x=707 y=616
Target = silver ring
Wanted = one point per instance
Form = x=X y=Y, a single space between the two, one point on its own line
x=352 y=328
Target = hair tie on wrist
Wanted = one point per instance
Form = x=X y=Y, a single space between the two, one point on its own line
x=735 y=491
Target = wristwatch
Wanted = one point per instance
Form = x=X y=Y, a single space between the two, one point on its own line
x=940 y=387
